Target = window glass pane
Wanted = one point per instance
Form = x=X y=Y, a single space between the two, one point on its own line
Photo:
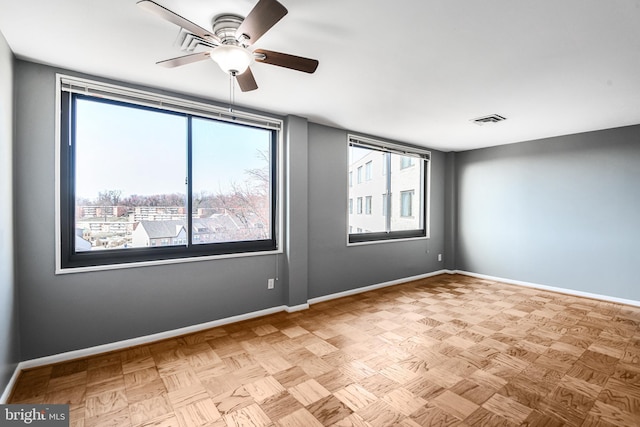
x=140 y=184
x=127 y=194
x=399 y=179
x=406 y=188
x=373 y=164
x=231 y=182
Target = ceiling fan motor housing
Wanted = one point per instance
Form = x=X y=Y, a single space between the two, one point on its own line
x=225 y=27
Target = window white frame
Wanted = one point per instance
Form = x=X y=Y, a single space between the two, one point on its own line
x=72 y=84
x=422 y=209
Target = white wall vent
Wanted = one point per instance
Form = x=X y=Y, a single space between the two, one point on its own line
x=492 y=118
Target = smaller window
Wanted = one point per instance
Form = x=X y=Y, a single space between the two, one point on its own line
x=401 y=207
x=359 y=174
x=350 y=206
x=350 y=179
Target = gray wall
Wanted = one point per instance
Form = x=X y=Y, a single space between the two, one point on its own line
x=561 y=212
x=334 y=267
x=9 y=342
x=74 y=311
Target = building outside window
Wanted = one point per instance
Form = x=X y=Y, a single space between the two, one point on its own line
x=405 y=162
x=367 y=170
x=367 y=205
x=406 y=200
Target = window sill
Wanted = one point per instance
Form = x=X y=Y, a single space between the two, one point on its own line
x=71 y=270
x=374 y=242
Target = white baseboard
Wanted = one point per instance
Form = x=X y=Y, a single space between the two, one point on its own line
x=295 y=308
x=565 y=291
x=376 y=286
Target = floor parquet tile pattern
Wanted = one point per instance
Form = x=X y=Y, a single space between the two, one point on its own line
x=445 y=351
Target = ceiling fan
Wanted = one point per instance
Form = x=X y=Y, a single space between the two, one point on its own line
x=228 y=44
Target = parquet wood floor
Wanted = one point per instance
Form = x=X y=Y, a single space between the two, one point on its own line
x=445 y=351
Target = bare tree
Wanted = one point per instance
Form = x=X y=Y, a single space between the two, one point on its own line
x=109 y=198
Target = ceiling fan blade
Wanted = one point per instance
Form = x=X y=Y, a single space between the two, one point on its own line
x=263 y=16
x=172 y=17
x=287 y=61
x=184 y=60
x=246 y=81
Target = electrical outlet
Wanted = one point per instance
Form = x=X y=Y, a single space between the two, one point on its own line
x=270 y=283
x=439 y=257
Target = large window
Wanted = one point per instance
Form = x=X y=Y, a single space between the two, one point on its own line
x=141 y=182
x=400 y=174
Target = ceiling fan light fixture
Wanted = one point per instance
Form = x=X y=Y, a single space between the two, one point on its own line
x=232 y=59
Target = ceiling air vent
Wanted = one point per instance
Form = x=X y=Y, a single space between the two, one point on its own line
x=190 y=42
x=493 y=118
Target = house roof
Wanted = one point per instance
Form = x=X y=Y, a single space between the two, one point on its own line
x=163 y=229
x=172 y=228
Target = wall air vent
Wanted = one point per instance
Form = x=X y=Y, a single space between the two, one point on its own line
x=493 y=118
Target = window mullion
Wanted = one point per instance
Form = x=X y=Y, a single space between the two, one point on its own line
x=189 y=181
x=388 y=183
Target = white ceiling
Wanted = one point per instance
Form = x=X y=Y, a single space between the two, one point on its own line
x=412 y=70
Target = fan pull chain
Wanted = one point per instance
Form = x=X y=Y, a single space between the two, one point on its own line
x=231 y=91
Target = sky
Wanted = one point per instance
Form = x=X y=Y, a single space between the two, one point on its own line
x=139 y=151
